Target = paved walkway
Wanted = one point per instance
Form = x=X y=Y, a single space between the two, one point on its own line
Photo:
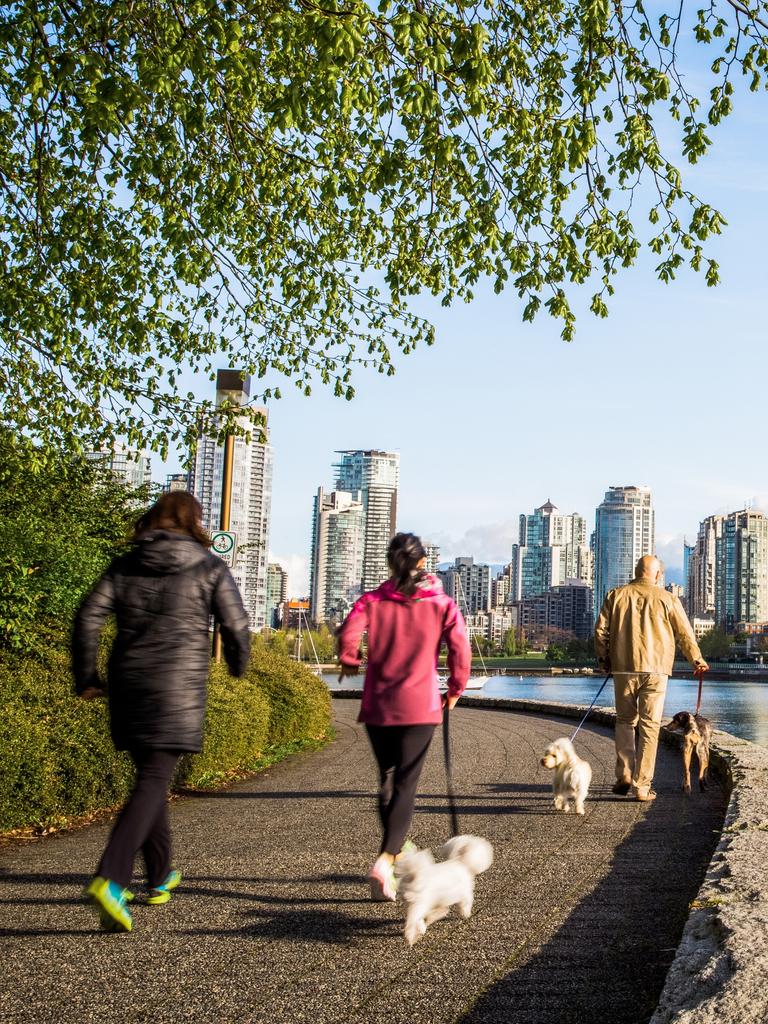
x=576 y=921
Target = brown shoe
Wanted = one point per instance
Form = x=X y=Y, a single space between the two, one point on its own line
x=644 y=797
x=621 y=788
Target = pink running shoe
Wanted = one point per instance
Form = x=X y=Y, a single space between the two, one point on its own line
x=382 y=880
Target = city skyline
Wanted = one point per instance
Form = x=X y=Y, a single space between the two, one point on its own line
x=670 y=550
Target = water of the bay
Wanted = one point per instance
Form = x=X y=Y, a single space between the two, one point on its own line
x=734 y=705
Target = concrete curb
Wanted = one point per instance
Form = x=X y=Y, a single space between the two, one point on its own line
x=721 y=965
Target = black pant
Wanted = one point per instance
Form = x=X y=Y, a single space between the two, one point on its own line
x=400 y=751
x=143 y=823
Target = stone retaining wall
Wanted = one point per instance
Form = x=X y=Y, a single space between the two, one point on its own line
x=720 y=971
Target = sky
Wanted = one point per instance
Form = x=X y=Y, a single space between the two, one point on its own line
x=498 y=416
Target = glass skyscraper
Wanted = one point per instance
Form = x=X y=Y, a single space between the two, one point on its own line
x=741 y=570
x=624 y=532
x=552 y=548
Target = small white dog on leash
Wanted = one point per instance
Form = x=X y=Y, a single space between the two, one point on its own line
x=572 y=775
x=430 y=889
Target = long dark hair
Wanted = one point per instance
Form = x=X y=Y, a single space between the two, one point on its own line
x=179 y=512
x=404 y=553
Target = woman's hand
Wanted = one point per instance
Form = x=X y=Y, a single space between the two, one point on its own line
x=92 y=692
x=450 y=702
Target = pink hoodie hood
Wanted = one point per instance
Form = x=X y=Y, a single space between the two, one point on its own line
x=428 y=586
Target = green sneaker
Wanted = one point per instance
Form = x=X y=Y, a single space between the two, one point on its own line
x=408 y=847
x=110 y=900
x=162 y=893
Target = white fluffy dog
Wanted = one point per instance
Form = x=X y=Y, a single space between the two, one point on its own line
x=430 y=889
x=572 y=775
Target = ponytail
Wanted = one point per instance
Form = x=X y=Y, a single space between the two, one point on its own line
x=403 y=556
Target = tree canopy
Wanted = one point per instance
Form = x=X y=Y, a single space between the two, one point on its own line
x=270 y=183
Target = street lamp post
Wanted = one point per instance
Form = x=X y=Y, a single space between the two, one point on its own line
x=224 y=518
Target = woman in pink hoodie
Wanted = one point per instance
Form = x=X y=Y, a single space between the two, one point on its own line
x=407 y=619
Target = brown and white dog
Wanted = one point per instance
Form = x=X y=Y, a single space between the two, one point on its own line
x=696 y=732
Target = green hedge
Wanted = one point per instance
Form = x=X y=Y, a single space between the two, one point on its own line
x=57 y=762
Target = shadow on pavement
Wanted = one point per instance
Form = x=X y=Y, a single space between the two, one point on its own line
x=295 y=794
x=623 y=934
x=322 y=926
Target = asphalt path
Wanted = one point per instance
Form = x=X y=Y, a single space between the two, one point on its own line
x=577 y=920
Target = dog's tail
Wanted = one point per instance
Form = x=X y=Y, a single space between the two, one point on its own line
x=473 y=851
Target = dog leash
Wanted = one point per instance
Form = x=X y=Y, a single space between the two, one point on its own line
x=700 y=676
x=586 y=715
x=449 y=774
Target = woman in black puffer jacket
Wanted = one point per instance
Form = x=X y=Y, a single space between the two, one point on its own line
x=162 y=594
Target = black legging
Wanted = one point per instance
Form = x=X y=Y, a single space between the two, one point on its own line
x=400 y=751
x=143 y=823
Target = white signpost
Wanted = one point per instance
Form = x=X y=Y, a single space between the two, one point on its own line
x=223 y=544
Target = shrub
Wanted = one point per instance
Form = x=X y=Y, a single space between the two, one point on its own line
x=56 y=757
x=57 y=761
x=236 y=730
x=299 y=701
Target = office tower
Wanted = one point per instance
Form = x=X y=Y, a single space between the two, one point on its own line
x=552 y=548
x=624 y=532
x=469 y=585
x=741 y=570
x=128 y=465
x=338 y=550
x=176 y=482
x=700 y=578
x=277 y=593
x=251 y=495
x=433 y=557
x=374 y=475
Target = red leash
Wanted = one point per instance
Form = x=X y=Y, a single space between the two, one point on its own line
x=700 y=676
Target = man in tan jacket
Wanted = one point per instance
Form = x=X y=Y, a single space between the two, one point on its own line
x=635 y=637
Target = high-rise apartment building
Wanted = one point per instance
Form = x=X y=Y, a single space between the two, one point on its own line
x=432 y=557
x=501 y=588
x=741 y=570
x=277 y=593
x=469 y=585
x=176 y=482
x=251 y=495
x=552 y=548
x=128 y=465
x=562 y=611
x=700 y=579
x=624 y=532
x=688 y=553
x=338 y=552
x=374 y=476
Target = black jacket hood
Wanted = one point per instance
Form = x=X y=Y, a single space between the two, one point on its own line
x=167 y=552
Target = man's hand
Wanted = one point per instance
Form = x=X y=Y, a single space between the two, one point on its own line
x=92 y=692
x=450 y=702
x=347 y=670
x=701 y=665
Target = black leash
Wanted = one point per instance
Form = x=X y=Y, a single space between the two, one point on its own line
x=449 y=774
x=594 y=701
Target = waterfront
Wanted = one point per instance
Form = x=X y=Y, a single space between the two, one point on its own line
x=734 y=705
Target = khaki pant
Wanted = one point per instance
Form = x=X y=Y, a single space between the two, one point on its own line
x=639 y=703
